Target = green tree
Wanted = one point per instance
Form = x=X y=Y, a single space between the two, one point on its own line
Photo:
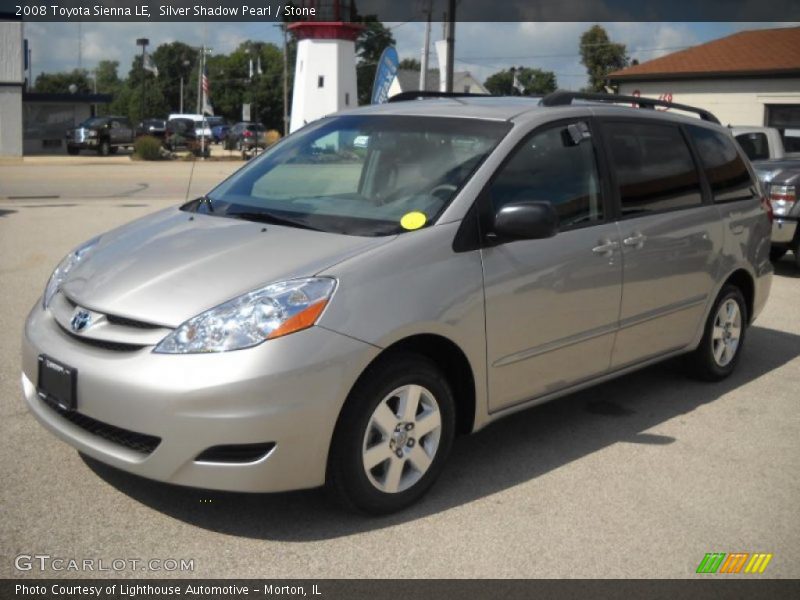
x=534 y=81
x=175 y=60
x=130 y=102
x=601 y=56
x=58 y=83
x=410 y=64
x=371 y=43
x=106 y=81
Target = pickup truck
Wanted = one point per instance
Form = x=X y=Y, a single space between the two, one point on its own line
x=104 y=135
x=779 y=173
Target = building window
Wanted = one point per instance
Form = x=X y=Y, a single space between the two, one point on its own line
x=321 y=81
x=466 y=89
x=347 y=99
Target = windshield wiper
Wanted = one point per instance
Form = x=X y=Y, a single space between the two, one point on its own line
x=265 y=217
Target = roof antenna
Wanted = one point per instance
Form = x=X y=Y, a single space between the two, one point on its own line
x=189 y=185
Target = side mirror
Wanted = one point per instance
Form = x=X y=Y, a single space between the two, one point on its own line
x=526 y=221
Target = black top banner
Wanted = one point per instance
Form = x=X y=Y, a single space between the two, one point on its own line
x=400 y=10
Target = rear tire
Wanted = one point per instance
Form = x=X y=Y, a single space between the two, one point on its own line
x=776 y=253
x=392 y=437
x=718 y=353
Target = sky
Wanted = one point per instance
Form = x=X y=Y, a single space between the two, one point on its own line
x=481 y=48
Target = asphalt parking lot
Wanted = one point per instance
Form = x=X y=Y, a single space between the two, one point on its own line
x=639 y=477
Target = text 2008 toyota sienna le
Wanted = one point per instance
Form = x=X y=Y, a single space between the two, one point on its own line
x=384 y=279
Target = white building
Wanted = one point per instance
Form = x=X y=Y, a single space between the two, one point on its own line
x=12 y=80
x=748 y=78
x=325 y=71
x=407 y=80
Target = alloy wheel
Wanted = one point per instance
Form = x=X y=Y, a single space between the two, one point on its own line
x=401 y=439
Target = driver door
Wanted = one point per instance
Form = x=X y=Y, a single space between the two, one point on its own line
x=552 y=305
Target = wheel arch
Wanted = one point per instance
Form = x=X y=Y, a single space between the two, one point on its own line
x=453 y=362
x=743 y=280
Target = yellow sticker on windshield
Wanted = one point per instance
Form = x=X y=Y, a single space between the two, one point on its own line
x=413 y=220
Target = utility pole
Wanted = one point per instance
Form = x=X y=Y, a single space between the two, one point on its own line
x=423 y=70
x=200 y=80
x=451 y=44
x=285 y=82
x=143 y=42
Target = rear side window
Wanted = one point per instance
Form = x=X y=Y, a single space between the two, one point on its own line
x=724 y=167
x=654 y=167
x=755 y=145
x=550 y=167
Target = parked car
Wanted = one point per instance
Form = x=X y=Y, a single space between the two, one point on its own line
x=201 y=123
x=779 y=172
x=220 y=132
x=246 y=137
x=155 y=127
x=104 y=135
x=335 y=315
x=181 y=134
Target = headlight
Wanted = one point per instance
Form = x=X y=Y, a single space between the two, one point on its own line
x=64 y=267
x=91 y=133
x=270 y=312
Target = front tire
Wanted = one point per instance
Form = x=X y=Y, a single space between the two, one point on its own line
x=393 y=436
x=719 y=351
x=72 y=150
x=104 y=149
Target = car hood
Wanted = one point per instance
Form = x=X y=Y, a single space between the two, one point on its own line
x=172 y=265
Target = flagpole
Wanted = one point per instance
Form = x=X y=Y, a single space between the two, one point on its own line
x=143 y=43
x=203 y=109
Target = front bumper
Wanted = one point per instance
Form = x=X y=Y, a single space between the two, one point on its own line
x=288 y=391
x=784 y=230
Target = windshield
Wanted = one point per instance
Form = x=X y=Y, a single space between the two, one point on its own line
x=359 y=175
x=94 y=122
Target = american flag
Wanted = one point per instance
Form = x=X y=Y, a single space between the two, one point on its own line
x=207 y=108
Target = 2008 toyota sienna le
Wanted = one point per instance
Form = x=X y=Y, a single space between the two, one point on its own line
x=339 y=309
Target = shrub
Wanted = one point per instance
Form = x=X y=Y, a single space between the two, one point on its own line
x=271 y=137
x=147 y=147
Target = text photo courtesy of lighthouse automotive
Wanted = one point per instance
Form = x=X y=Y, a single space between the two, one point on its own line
x=286 y=292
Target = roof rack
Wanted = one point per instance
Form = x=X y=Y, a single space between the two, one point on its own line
x=415 y=95
x=565 y=98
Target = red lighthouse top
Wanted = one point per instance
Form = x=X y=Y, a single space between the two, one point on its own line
x=325 y=30
x=329 y=21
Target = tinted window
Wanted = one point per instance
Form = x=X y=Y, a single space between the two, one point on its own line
x=549 y=166
x=654 y=167
x=725 y=169
x=755 y=145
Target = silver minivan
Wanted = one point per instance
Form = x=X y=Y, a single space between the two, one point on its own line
x=338 y=310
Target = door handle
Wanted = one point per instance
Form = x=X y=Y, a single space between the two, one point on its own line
x=636 y=240
x=606 y=248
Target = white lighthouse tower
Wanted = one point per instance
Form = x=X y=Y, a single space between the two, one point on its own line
x=325 y=73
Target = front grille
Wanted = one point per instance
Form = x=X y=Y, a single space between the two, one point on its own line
x=104 y=344
x=125 y=322
x=138 y=442
x=235 y=453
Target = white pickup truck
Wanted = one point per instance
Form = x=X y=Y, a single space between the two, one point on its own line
x=779 y=172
